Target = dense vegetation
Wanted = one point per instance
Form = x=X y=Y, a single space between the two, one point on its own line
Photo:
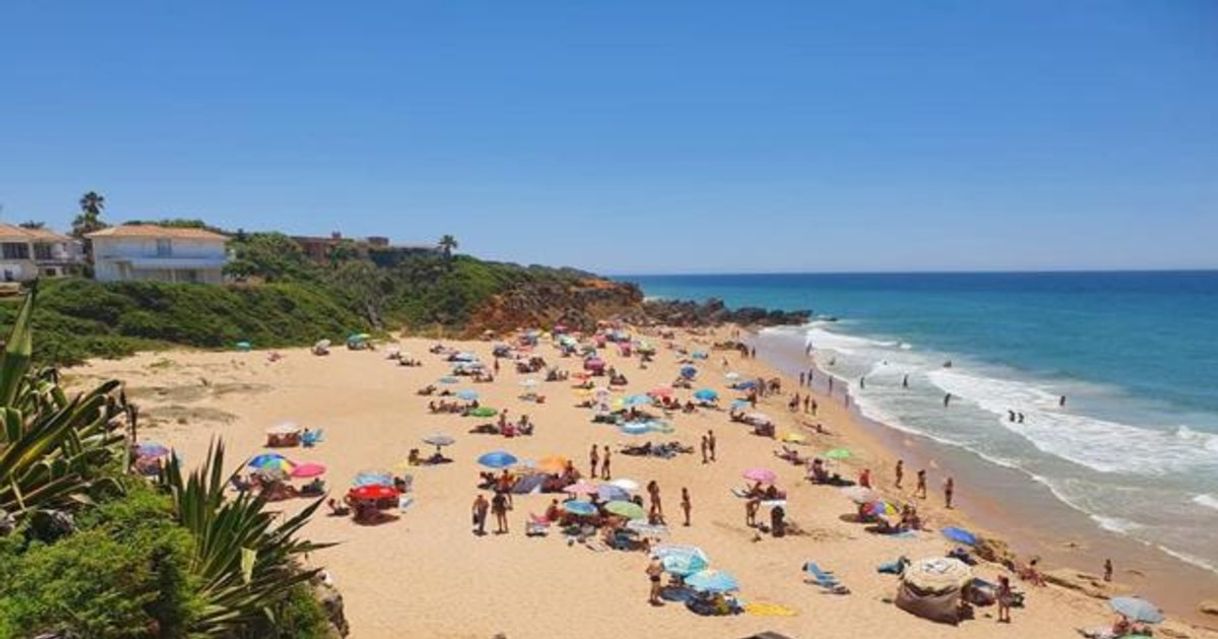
x=280 y=298
x=90 y=550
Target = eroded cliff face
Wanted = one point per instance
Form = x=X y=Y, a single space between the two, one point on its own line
x=578 y=305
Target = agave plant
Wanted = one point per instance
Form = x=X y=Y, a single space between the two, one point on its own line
x=52 y=448
x=244 y=561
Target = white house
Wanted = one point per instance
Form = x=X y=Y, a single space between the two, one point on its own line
x=29 y=253
x=146 y=252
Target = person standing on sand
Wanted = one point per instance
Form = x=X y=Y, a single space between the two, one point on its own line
x=920 y=490
x=705 y=448
x=686 y=505
x=657 y=509
x=496 y=367
x=605 y=474
x=481 y=505
x=710 y=443
x=654 y=570
x=499 y=506
x=900 y=472
x=1004 y=599
x=814 y=407
x=593 y=460
x=807 y=398
x=949 y=487
x=750 y=511
x=1107 y=570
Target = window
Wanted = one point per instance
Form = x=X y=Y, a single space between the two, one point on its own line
x=164 y=248
x=42 y=252
x=15 y=250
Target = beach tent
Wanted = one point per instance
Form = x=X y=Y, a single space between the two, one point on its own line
x=930 y=588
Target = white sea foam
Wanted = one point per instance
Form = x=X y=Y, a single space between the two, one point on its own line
x=1209 y=501
x=1187 y=558
x=1115 y=524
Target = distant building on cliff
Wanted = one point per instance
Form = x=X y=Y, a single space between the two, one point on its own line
x=147 y=252
x=26 y=253
x=375 y=248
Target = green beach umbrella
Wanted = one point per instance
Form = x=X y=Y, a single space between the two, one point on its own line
x=838 y=453
x=484 y=411
x=627 y=509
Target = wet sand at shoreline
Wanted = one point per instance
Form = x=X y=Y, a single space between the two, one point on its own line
x=426 y=575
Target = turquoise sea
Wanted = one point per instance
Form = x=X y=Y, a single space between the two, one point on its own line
x=1135 y=447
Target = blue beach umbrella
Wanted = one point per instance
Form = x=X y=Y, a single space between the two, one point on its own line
x=635 y=428
x=576 y=507
x=498 y=459
x=609 y=492
x=636 y=400
x=746 y=384
x=959 y=535
x=467 y=395
x=1136 y=609
x=712 y=581
x=706 y=395
x=681 y=560
x=738 y=404
x=266 y=459
x=689 y=372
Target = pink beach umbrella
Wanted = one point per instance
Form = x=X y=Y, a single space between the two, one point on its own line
x=581 y=487
x=763 y=475
x=308 y=469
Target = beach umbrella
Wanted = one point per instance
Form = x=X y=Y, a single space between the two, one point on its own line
x=859 y=494
x=308 y=469
x=151 y=449
x=711 y=580
x=439 y=439
x=580 y=487
x=937 y=574
x=372 y=492
x=739 y=404
x=763 y=475
x=1136 y=609
x=373 y=478
x=838 y=453
x=959 y=535
x=498 y=459
x=747 y=384
x=881 y=508
x=635 y=428
x=647 y=529
x=627 y=509
x=706 y=395
x=269 y=461
x=484 y=411
x=576 y=507
x=272 y=474
x=625 y=484
x=553 y=464
x=689 y=372
x=467 y=395
x=609 y=492
x=661 y=391
x=636 y=400
x=758 y=418
x=681 y=560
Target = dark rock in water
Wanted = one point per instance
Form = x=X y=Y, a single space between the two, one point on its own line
x=714 y=311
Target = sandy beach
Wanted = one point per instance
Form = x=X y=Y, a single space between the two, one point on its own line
x=427 y=575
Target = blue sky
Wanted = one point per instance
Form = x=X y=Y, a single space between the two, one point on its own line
x=635 y=137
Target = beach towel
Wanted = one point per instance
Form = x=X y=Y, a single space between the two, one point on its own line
x=825 y=579
x=763 y=609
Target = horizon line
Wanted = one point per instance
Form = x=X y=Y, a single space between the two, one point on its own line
x=1062 y=271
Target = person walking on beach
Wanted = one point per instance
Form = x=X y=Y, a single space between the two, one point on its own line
x=481 y=505
x=654 y=570
x=705 y=449
x=605 y=474
x=810 y=377
x=593 y=460
x=686 y=505
x=710 y=443
x=949 y=487
x=807 y=400
x=947 y=399
x=1107 y=570
x=920 y=490
x=1010 y=415
x=656 y=513
x=499 y=506
x=1004 y=598
x=900 y=472
x=1020 y=420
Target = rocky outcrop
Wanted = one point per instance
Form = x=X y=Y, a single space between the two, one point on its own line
x=578 y=304
x=1085 y=583
x=331 y=601
x=1209 y=607
x=714 y=311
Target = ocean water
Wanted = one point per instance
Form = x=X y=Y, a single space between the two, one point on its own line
x=1135 y=354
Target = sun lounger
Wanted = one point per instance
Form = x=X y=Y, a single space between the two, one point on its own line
x=824 y=578
x=536 y=526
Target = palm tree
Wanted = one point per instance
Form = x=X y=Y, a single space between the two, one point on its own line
x=89 y=220
x=447 y=245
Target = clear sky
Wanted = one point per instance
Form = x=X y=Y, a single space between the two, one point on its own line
x=635 y=137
